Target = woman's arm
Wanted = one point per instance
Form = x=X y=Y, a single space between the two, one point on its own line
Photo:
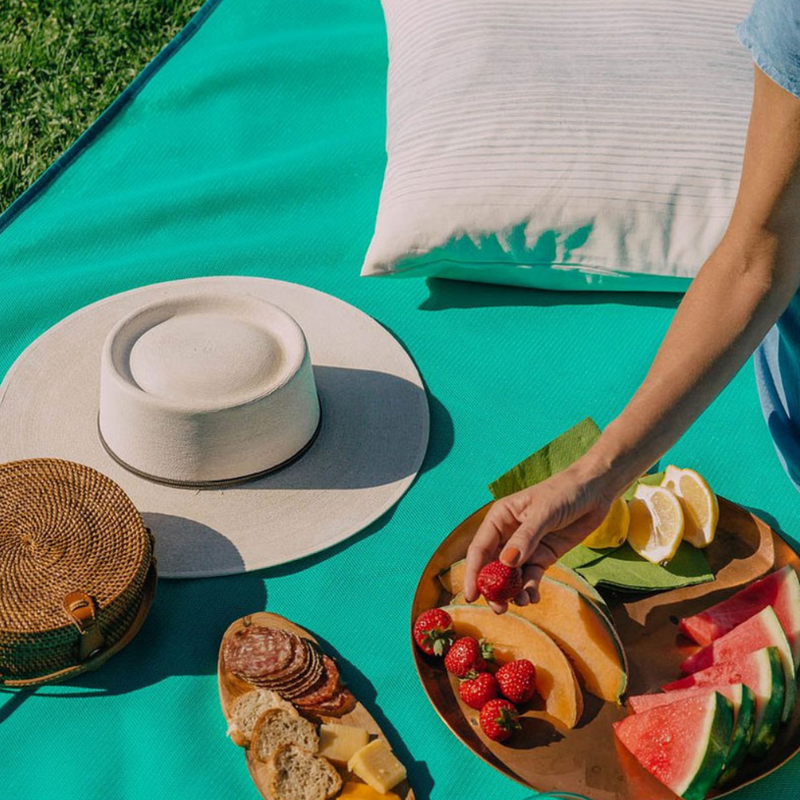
x=736 y=298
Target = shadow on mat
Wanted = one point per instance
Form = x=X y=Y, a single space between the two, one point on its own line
x=449 y=294
x=13 y=700
x=282 y=570
x=419 y=776
x=773 y=523
x=181 y=636
x=178 y=536
x=182 y=633
x=441 y=432
x=365 y=414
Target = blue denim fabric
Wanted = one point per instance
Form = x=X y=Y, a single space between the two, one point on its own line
x=772 y=33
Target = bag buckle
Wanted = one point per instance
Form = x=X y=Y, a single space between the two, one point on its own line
x=82 y=610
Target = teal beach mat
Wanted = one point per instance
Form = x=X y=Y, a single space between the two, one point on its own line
x=254 y=146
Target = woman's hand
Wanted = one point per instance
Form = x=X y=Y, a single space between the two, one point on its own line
x=533 y=528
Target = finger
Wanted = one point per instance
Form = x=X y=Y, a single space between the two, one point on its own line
x=522 y=599
x=531 y=576
x=520 y=546
x=545 y=555
x=483 y=549
x=550 y=547
x=480 y=552
x=498 y=608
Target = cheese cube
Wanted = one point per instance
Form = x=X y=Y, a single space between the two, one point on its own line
x=360 y=791
x=340 y=743
x=376 y=765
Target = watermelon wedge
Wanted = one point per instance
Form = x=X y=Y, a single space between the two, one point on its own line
x=780 y=589
x=743 y=702
x=761 y=630
x=763 y=673
x=683 y=744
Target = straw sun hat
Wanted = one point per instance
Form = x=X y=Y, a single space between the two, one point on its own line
x=250 y=421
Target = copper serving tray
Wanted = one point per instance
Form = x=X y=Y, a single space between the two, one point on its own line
x=587 y=759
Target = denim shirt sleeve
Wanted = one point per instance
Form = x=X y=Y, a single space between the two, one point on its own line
x=772 y=34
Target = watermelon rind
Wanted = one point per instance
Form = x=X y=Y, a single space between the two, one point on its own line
x=717 y=739
x=793 y=612
x=707 y=743
x=764 y=623
x=790 y=612
x=721 y=618
x=769 y=695
x=787 y=662
x=743 y=729
x=771 y=713
x=743 y=702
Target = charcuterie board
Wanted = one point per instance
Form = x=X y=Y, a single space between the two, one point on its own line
x=231 y=687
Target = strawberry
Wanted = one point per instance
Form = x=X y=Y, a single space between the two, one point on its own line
x=499 y=719
x=468 y=655
x=433 y=632
x=517 y=680
x=499 y=583
x=477 y=689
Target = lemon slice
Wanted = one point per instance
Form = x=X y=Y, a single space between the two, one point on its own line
x=656 y=527
x=700 y=507
x=613 y=530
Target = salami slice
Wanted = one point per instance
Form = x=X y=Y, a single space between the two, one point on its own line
x=304 y=685
x=258 y=651
x=325 y=688
x=310 y=673
x=296 y=683
x=296 y=666
x=339 y=705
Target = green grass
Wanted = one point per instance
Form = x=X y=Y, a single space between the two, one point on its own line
x=61 y=63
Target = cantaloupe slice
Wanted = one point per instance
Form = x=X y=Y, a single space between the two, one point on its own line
x=567 y=575
x=582 y=632
x=514 y=637
x=452 y=580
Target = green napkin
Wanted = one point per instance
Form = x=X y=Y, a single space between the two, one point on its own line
x=619 y=568
x=580 y=557
x=623 y=569
x=552 y=458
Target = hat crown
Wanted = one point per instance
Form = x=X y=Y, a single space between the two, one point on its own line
x=207 y=387
x=205 y=357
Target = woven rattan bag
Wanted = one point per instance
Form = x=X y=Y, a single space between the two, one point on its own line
x=77 y=572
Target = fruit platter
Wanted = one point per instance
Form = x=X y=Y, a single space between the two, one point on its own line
x=303 y=733
x=615 y=693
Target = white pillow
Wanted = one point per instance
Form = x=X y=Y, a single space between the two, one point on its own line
x=571 y=144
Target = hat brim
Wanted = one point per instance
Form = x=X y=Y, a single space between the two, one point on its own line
x=371 y=443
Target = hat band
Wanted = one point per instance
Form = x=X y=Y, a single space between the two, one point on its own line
x=219 y=484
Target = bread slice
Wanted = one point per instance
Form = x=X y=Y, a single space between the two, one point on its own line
x=277 y=726
x=295 y=774
x=248 y=708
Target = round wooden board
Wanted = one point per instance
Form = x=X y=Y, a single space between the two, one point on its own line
x=587 y=759
x=231 y=687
